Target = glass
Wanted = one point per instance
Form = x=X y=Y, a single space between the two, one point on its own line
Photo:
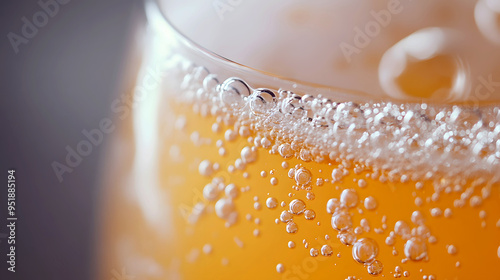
x=389 y=168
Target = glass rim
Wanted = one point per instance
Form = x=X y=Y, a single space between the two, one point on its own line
x=302 y=86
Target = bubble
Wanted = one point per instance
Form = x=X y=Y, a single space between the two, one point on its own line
x=244 y=131
x=273 y=181
x=285 y=150
x=286 y=216
x=210 y=83
x=233 y=91
x=326 y=250
x=231 y=191
x=475 y=201
x=248 y=155
x=370 y=203
x=205 y=168
x=302 y=176
x=257 y=206
x=297 y=206
x=349 y=198
x=498 y=252
x=341 y=221
x=362 y=183
x=337 y=174
x=291 y=244
x=331 y=205
x=224 y=207
x=309 y=214
x=417 y=218
x=365 y=250
x=207 y=249
x=347 y=237
x=375 y=268
x=211 y=192
x=401 y=228
x=280 y=268
x=415 y=249
x=452 y=250
x=291 y=227
x=271 y=202
x=390 y=240
x=436 y=212
x=263 y=174
x=256 y=232
x=262 y=101
x=313 y=252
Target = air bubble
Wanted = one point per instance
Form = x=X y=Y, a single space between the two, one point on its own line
x=362 y=183
x=415 y=249
x=211 y=192
x=326 y=250
x=291 y=244
x=302 y=176
x=375 y=268
x=370 y=203
x=452 y=250
x=205 y=168
x=365 y=250
x=349 y=198
x=286 y=216
x=309 y=214
x=271 y=202
x=285 y=150
x=341 y=221
x=262 y=101
x=347 y=237
x=280 y=268
x=224 y=207
x=417 y=218
x=248 y=155
x=297 y=206
x=401 y=228
x=331 y=205
x=232 y=92
x=291 y=227
x=313 y=252
x=231 y=191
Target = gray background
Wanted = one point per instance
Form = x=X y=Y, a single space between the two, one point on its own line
x=60 y=83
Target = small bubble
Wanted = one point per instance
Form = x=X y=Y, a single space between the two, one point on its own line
x=231 y=191
x=337 y=174
x=297 y=206
x=365 y=250
x=271 y=202
x=285 y=216
x=436 y=212
x=309 y=214
x=417 y=218
x=370 y=203
x=291 y=227
x=273 y=181
x=224 y=207
x=284 y=165
x=347 y=237
x=302 y=176
x=401 y=228
x=319 y=182
x=205 y=168
x=482 y=214
x=248 y=155
x=280 y=268
x=326 y=250
x=291 y=244
x=375 y=268
x=448 y=213
x=415 y=249
x=257 y=206
x=418 y=201
x=390 y=240
x=310 y=196
x=475 y=201
x=332 y=204
x=285 y=150
x=263 y=174
x=313 y=252
x=211 y=192
x=498 y=252
x=362 y=183
x=452 y=250
x=349 y=198
x=341 y=221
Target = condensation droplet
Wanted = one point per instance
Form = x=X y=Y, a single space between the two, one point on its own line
x=365 y=250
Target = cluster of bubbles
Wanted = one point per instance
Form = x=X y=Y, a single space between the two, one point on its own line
x=398 y=138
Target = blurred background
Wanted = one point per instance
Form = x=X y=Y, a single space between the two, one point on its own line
x=53 y=86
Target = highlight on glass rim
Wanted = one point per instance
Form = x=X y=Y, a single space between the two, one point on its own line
x=308 y=140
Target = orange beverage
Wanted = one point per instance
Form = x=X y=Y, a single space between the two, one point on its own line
x=225 y=172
